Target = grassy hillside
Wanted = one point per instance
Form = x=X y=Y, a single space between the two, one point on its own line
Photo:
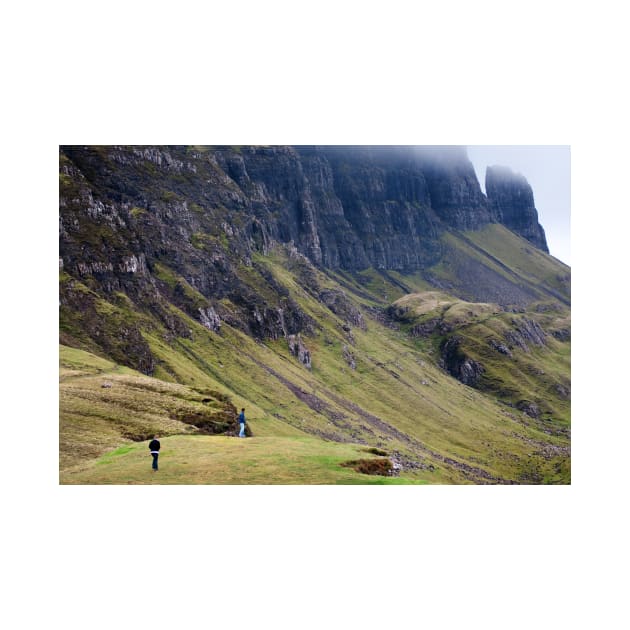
x=495 y=265
x=109 y=412
x=370 y=384
x=524 y=357
x=103 y=405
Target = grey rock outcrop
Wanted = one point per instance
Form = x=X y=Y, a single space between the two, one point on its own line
x=526 y=332
x=338 y=303
x=210 y=319
x=457 y=364
x=349 y=357
x=511 y=202
x=299 y=350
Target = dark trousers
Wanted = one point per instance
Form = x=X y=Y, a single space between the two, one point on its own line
x=155 y=457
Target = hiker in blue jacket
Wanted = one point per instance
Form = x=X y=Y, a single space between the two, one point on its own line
x=154 y=447
x=241 y=419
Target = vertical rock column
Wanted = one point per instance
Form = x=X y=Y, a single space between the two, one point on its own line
x=511 y=202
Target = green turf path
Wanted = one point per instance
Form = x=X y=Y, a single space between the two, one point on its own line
x=202 y=459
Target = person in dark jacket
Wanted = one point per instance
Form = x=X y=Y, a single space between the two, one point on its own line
x=154 y=447
x=241 y=420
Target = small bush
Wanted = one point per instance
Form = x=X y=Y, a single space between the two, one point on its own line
x=376 y=451
x=380 y=466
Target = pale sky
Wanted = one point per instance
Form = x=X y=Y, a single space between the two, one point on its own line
x=547 y=168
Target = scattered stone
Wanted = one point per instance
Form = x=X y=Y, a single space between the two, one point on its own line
x=563 y=334
x=299 y=350
x=210 y=319
x=500 y=347
x=349 y=357
x=530 y=408
x=339 y=303
x=563 y=392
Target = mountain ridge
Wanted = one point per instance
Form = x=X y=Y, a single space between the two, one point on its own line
x=269 y=275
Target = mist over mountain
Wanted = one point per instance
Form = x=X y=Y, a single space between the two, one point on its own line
x=343 y=207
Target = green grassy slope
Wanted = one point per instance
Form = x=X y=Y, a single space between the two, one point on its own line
x=108 y=412
x=495 y=265
x=523 y=361
x=103 y=405
x=521 y=257
x=371 y=384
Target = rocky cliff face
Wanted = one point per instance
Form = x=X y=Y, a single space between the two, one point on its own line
x=182 y=226
x=453 y=187
x=385 y=207
x=511 y=202
x=343 y=207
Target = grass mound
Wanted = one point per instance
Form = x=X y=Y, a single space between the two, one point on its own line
x=103 y=405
